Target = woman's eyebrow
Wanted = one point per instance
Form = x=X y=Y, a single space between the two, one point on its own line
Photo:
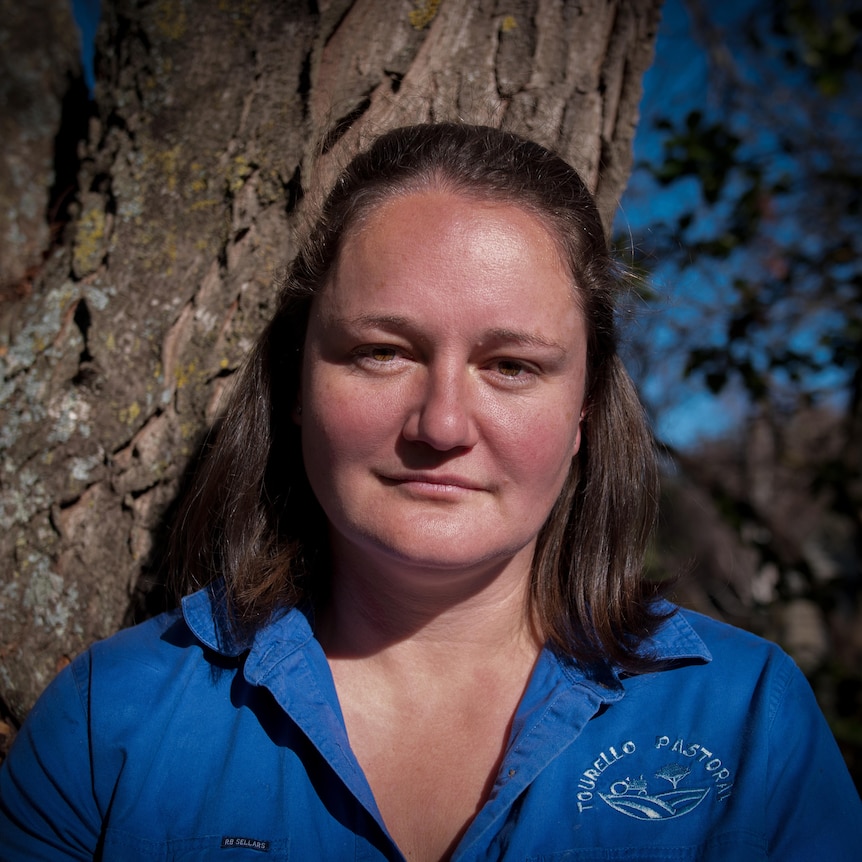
x=394 y=323
x=521 y=337
x=381 y=321
x=496 y=336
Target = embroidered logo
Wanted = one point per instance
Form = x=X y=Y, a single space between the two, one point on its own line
x=631 y=797
x=248 y=843
x=692 y=772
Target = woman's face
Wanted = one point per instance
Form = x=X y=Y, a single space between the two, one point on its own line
x=442 y=386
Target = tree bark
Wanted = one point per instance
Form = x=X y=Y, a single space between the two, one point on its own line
x=38 y=60
x=216 y=122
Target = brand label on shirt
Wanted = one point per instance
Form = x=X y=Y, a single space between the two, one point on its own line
x=655 y=779
x=247 y=843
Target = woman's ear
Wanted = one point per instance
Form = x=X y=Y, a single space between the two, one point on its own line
x=580 y=431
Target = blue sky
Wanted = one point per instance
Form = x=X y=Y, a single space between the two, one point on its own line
x=766 y=95
x=86 y=14
x=676 y=83
x=790 y=129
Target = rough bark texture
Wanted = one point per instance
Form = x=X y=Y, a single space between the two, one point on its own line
x=191 y=183
x=38 y=60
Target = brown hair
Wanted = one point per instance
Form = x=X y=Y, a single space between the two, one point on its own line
x=251 y=522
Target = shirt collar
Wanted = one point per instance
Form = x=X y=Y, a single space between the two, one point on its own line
x=205 y=614
x=675 y=639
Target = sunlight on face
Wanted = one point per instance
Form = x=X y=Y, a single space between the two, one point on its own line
x=443 y=382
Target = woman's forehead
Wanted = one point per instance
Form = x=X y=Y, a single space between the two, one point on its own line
x=446 y=263
x=460 y=225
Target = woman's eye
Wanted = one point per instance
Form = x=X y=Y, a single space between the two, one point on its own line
x=382 y=354
x=509 y=368
x=373 y=355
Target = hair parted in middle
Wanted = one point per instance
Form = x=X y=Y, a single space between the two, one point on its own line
x=250 y=521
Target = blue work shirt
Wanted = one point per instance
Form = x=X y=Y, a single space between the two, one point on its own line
x=168 y=741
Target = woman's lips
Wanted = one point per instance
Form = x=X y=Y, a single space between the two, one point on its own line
x=434 y=482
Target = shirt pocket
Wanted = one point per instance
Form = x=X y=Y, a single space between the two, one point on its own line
x=739 y=847
x=121 y=846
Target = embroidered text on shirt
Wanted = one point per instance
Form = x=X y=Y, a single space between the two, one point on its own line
x=247 y=843
x=629 y=792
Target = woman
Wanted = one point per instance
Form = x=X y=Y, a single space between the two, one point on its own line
x=421 y=628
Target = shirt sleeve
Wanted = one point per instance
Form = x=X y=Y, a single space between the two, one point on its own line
x=47 y=806
x=813 y=807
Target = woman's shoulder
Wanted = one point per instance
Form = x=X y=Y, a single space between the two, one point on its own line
x=740 y=686
x=133 y=668
x=742 y=668
x=722 y=655
x=722 y=640
x=156 y=643
x=191 y=634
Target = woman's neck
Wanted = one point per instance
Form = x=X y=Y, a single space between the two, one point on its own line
x=374 y=612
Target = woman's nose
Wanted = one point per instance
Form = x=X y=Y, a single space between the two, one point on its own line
x=443 y=413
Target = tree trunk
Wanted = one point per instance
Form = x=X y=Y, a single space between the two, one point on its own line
x=38 y=60
x=215 y=120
